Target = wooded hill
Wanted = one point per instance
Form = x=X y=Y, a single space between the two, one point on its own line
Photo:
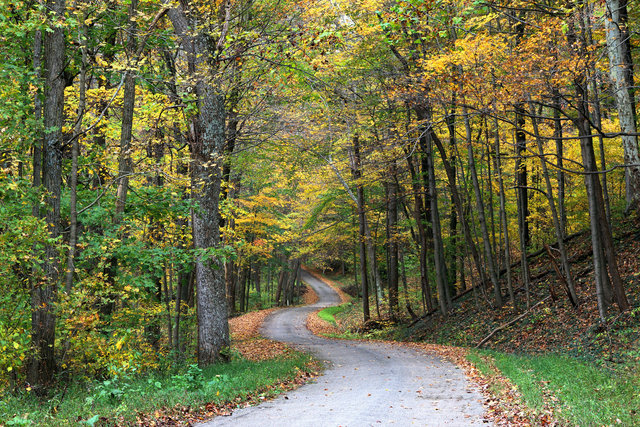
x=165 y=165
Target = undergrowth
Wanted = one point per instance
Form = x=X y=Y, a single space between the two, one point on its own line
x=118 y=400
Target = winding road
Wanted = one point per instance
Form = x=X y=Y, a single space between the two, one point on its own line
x=365 y=383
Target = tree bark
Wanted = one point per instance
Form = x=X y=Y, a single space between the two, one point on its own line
x=621 y=73
x=207 y=146
x=41 y=366
x=357 y=175
x=493 y=270
x=554 y=214
x=392 y=241
x=444 y=297
x=75 y=152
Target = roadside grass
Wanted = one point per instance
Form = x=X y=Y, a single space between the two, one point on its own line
x=580 y=394
x=119 y=400
x=329 y=313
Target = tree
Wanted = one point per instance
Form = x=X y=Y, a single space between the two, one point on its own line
x=207 y=145
x=43 y=295
x=621 y=73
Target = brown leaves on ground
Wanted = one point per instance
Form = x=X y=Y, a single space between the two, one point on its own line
x=245 y=337
x=309 y=296
x=318 y=326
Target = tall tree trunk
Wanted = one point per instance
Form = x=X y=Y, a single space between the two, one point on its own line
x=37 y=113
x=41 y=366
x=126 y=130
x=438 y=247
x=521 y=175
x=392 y=241
x=503 y=213
x=554 y=214
x=471 y=246
x=422 y=236
x=357 y=176
x=621 y=73
x=493 y=271
x=597 y=117
x=75 y=152
x=453 y=217
x=207 y=146
x=557 y=133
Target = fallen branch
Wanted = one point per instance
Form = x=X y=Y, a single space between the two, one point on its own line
x=506 y=325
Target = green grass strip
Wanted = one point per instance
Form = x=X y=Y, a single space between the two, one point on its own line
x=329 y=313
x=586 y=395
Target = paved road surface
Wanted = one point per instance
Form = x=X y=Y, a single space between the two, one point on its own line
x=365 y=384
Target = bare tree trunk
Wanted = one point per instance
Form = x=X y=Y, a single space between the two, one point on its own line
x=392 y=242
x=357 y=175
x=503 y=213
x=41 y=365
x=621 y=73
x=207 y=146
x=493 y=272
x=554 y=214
x=75 y=152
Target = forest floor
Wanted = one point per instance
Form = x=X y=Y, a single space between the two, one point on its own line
x=551 y=341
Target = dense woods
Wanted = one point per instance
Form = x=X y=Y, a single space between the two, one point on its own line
x=166 y=165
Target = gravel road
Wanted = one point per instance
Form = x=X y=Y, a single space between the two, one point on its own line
x=365 y=384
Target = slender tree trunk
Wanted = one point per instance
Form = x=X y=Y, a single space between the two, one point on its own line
x=423 y=239
x=37 y=113
x=356 y=172
x=75 y=152
x=453 y=218
x=458 y=202
x=603 y=160
x=438 y=247
x=557 y=133
x=554 y=214
x=126 y=130
x=503 y=213
x=522 y=199
x=392 y=243
x=493 y=271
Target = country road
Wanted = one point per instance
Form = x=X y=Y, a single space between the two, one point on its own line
x=365 y=384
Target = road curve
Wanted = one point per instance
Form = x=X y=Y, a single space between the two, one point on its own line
x=365 y=384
